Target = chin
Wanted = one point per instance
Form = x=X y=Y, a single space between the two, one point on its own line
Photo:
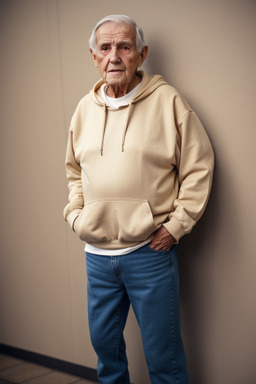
x=116 y=80
x=116 y=83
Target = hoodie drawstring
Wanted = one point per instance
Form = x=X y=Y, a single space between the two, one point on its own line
x=103 y=129
x=129 y=112
x=126 y=124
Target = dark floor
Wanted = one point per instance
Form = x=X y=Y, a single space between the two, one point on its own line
x=13 y=371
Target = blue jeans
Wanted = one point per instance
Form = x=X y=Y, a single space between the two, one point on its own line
x=149 y=281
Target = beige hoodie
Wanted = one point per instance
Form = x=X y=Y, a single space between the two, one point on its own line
x=132 y=169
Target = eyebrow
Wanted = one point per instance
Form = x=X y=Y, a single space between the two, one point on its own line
x=120 y=43
x=125 y=42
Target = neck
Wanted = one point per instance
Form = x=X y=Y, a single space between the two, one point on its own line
x=122 y=90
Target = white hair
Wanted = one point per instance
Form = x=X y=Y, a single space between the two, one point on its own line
x=118 y=19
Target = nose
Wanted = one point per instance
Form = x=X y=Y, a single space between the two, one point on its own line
x=114 y=58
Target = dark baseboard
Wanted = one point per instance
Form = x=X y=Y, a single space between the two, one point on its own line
x=50 y=362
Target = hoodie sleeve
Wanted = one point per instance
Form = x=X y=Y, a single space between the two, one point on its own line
x=73 y=172
x=195 y=171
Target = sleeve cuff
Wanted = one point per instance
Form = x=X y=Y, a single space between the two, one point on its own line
x=72 y=216
x=175 y=228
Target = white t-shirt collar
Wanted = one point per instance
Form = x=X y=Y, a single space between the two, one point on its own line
x=119 y=101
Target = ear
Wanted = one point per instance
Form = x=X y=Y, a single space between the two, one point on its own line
x=143 y=55
x=94 y=57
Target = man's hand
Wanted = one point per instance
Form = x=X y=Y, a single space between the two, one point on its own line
x=162 y=240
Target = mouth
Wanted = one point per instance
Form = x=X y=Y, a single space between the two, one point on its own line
x=115 y=71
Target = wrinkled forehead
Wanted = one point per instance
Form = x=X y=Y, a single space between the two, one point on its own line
x=114 y=31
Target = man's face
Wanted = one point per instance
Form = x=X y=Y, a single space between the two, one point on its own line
x=116 y=54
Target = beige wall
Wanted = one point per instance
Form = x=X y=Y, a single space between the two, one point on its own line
x=207 y=50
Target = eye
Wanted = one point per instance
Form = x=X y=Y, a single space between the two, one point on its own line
x=125 y=47
x=105 y=48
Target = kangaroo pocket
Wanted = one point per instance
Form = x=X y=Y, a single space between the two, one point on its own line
x=121 y=220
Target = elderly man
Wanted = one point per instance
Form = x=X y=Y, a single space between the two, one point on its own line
x=139 y=166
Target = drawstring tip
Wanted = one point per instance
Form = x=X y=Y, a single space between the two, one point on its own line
x=101 y=152
x=122 y=148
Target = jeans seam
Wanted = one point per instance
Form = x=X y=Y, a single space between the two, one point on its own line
x=118 y=339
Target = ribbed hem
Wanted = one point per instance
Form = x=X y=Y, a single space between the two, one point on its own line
x=175 y=228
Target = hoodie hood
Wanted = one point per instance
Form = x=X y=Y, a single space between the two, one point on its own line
x=147 y=86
